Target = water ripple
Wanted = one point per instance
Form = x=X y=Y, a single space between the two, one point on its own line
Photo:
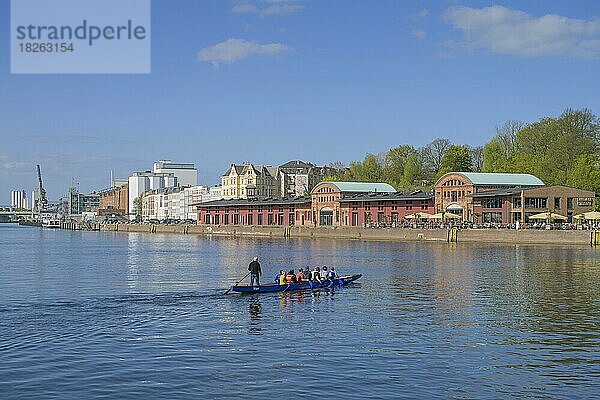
x=132 y=315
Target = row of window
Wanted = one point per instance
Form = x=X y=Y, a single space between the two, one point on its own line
x=250 y=208
x=393 y=203
x=454 y=195
x=491 y=203
x=453 y=182
x=530 y=202
x=323 y=199
x=408 y=207
x=237 y=219
x=325 y=190
x=326 y=218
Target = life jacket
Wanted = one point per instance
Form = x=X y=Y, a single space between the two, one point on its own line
x=315 y=275
x=299 y=276
x=331 y=274
x=277 y=277
x=282 y=280
x=290 y=278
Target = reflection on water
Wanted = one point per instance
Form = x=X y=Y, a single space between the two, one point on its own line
x=255 y=312
x=453 y=292
x=133 y=259
x=254 y=308
x=113 y=315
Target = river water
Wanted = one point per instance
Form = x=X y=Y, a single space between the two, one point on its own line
x=89 y=315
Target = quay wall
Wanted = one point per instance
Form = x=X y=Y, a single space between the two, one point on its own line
x=568 y=237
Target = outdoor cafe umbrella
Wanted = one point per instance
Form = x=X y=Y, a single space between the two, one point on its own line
x=549 y=216
x=592 y=215
x=451 y=216
x=442 y=216
x=418 y=215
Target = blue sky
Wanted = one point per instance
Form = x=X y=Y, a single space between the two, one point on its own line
x=267 y=81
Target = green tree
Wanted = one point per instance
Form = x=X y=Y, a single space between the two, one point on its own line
x=394 y=163
x=499 y=153
x=137 y=208
x=494 y=159
x=369 y=170
x=549 y=148
x=585 y=174
x=456 y=158
x=412 y=172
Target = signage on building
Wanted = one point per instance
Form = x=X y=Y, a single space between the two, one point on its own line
x=584 y=201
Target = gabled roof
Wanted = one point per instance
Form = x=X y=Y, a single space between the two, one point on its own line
x=296 y=164
x=504 y=179
x=364 y=187
x=257 y=169
x=238 y=169
x=273 y=171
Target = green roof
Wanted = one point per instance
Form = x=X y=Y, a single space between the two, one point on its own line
x=364 y=187
x=492 y=178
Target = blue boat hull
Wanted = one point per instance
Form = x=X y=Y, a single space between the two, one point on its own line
x=293 y=287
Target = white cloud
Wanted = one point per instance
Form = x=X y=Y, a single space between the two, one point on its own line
x=63 y=139
x=245 y=8
x=424 y=13
x=233 y=50
x=266 y=8
x=419 y=34
x=10 y=165
x=505 y=31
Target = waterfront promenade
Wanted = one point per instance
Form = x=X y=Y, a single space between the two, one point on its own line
x=505 y=236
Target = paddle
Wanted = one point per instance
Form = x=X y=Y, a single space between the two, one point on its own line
x=229 y=290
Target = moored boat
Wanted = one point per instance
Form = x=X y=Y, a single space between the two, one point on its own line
x=292 y=287
x=52 y=223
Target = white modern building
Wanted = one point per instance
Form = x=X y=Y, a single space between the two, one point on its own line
x=18 y=199
x=165 y=175
x=186 y=173
x=140 y=182
x=174 y=202
x=34 y=198
x=216 y=192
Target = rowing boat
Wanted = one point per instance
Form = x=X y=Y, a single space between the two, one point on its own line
x=293 y=287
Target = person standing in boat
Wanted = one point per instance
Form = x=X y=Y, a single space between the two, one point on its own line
x=254 y=268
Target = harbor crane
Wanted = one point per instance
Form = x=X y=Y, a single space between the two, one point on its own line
x=42 y=201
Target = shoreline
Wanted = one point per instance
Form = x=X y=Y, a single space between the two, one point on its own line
x=504 y=236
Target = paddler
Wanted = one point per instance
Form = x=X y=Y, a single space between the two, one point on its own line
x=254 y=268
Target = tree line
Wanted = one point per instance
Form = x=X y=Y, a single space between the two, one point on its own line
x=559 y=151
